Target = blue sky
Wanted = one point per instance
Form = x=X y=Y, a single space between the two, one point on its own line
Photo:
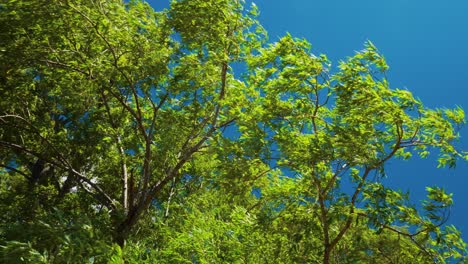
x=425 y=44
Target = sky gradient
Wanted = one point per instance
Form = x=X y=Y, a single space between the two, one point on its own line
x=426 y=46
x=424 y=43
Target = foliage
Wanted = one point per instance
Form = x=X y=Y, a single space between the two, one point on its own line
x=182 y=136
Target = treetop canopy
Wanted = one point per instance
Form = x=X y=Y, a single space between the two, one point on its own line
x=186 y=136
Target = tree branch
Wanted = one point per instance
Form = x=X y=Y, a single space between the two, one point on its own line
x=15 y=170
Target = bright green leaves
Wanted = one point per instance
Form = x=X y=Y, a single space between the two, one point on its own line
x=369 y=116
x=437 y=196
x=383 y=206
x=290 y=78
x=364 y=125
x=216 y=25
x=201 y=22
x=439 y=128
x=389 y=210
x=457 y=115
x=447 y=242
x=183 y=133
x=391 y=119
x=55 y=236
x=370 y=57
x=286 y=65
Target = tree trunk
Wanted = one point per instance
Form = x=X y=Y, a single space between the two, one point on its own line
x=326 y=255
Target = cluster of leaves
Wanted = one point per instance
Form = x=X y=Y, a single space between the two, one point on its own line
x=182 y=136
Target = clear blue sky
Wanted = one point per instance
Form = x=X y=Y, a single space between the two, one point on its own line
x=425 y=44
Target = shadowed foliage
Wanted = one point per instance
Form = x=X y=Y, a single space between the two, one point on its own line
x=184 y=136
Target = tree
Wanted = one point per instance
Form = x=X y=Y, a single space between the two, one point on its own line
x=185 y=135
